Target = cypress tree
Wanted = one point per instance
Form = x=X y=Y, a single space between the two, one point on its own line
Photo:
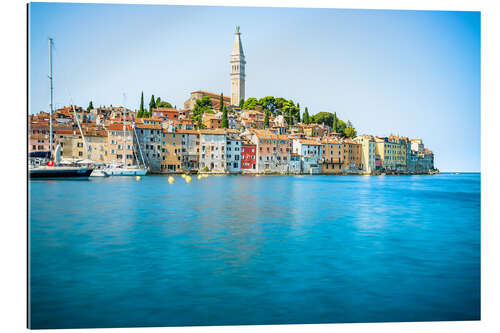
x=224 y=123
x=221 y=102
x=140 y=114
x=335 y=123
x=305 y=118
x=242 y=102
x=266 y=119
x=90 y=107
x=152 y=105
x=298 y=112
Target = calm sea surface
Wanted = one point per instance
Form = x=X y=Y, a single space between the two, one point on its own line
x=117 y=252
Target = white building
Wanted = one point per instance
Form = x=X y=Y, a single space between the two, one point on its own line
x=190 y=149
x=213 y=151
x=310 y=154
x=367 y=152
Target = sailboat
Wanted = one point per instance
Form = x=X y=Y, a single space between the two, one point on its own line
x=44 y=166
x=124 y=169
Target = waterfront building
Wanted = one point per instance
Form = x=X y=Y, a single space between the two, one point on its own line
x=295 y=163
x=310 y=152
x=389 y=153
x=367 y=152
x=400 y=152
x=149 y=144
x=233 y=151
x=97 y=145
x=352 y=155
x=248 y=157
x=116 y=146
x=333 y=156
x=190 y=149
x=213 y=151
x=273 y=151
x=171 y=152
x=38 y=142
x=237 y=70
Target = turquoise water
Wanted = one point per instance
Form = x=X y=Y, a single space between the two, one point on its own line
x=116 y=252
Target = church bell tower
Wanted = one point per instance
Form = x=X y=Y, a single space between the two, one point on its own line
x=237 y=70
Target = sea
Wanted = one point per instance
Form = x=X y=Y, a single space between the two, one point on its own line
x=249 y=250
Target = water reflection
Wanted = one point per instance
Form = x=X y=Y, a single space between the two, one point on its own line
x=248 y=250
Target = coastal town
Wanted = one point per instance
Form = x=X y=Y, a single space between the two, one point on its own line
x=213 y=133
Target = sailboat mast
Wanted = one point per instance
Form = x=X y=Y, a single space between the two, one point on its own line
x=124 y=151
x=51 y=96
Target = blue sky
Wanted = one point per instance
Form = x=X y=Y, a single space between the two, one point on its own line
x=413 y=73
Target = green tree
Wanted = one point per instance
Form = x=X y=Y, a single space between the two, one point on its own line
x=305 y=118
x=335 y=123
x=158 y=100
x=90 y=107
x=242 y=102
x=268 y=103
x=250 y=103
x=163 y=104
x=279 y=103
x=201 y=106
x=221 y=102
x=224 y=122
x=323 y=118
x=266 y=119
x=350 y=132
x=152 y=105
x=289 y=108
x=298 y=112
x=140 y=114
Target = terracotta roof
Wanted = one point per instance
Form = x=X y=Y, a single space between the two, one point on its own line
x=39 y=136
x=163 y=109
x=183 y=131
x=211 y=94
x=265 y=134
x=309 y=142
x=330 y=141
x=217 y=131
x=119 y=126
x=148 y=126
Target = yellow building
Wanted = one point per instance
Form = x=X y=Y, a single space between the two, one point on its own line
x=333 y=156
x=352 y=155
x=392 y=152
x=97 y=146
x=171 y=152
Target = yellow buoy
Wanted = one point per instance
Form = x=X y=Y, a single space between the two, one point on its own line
x=137 y=177
x=188 y=179
x=171 y=180
x=200 y=177
x=183 y=176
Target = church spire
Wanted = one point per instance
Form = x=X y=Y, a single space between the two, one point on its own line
x=237 y=70
x=237 y=48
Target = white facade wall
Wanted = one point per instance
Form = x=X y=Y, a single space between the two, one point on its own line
x=213 y=152
x=190 y=151
x=310 y=156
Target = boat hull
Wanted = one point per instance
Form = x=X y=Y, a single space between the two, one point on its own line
x=138 y=172
x=55 y=173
